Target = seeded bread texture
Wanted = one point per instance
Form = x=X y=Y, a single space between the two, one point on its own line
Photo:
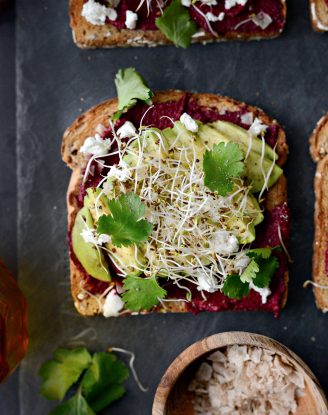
x=319 y=152
x=85 y=126
x=319 y=15
x=88 y=36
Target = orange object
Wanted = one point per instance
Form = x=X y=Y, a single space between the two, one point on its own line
x=13 y=323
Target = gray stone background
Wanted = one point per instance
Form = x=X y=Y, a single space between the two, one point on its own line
x=55 y=81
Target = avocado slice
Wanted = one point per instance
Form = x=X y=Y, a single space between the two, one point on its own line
x=240 y=135
x=126 y=254
x=92 y=260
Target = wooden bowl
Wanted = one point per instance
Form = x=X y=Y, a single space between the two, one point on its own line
x=173 y=398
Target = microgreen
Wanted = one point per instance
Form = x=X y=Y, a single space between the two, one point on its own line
x=142 y=293
x=221 y=165
x=125 y=224
x=176 y=24
x=131 y=87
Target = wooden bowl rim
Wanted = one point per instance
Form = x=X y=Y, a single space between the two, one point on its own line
x=224 y=339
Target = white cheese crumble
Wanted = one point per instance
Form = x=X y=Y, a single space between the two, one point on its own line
x=95 y=146
x=245 y=380
x=186 y=3
x=189 y=123
x=224 y=242
x=89 y=236
x=247 y=118
x=257 y=127
x=263 y=20
x=128 y=130
x=229 y=4
x=206 y=283
x=113 y=304
x=96 y=13
x=213 y=18
x=121 y=171
x=264 y=292
x=131 y=19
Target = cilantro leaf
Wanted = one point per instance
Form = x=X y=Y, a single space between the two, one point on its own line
x=63 y=371
x=260 y=252
x=141 y=293
x=102 y=383
x=125 y=225
x=267 y=269
x=176 y=24
x=250 y=272
x=221 y=165
x=131 y=87
x=74 y=406
x=234 y=288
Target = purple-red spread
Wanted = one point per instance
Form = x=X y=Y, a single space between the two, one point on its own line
x=267 y=233
x=236 y=19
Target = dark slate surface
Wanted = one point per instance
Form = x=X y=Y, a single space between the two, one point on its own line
x=287 y=77
x=9 y=403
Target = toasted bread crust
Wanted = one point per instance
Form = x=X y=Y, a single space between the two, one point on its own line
x=319 y=152
x=319 y=15
x=85 y=125
x=88 y=36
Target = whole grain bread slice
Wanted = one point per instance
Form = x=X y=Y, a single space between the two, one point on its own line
x=88 y=36
x=85 y=126
x=319 y=15
x=319 y=152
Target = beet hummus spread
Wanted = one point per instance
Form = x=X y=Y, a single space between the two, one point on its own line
x=274 y=228
x=214 y=17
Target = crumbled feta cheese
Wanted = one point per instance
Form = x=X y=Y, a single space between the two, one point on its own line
x=121 y=172
x=224 y=242
x=96 y=13
x=213 y=18
x=189 y=122
x=241 y=262
x=264 y=292
x=229 y=4
x=89 y=236
x=247 y=118
x=96 y=146
x=263 y=20
x=113 y=304
x=209 y=2
x=257 y=127
x=205 y=282
x=186 y=3
x=128 y=130
x=103 y=239
x=131 y=19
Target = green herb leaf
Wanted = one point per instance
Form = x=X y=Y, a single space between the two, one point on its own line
x=74 y=406
x=141 y=293
x=176 y=24
x=131 y=87
x=267 y=269
x=102 y=383
x=63 y=371
x=221 y=165
x=250 y=272
x=125 y=225
x=260 y=252
x=234 y=288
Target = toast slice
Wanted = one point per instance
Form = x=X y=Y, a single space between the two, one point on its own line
x=319 y=15
x=90 y=36
x=85 y=125
x=319 y=153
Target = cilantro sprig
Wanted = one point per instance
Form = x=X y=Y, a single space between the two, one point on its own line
x=260 y=271
x=130 y=87
x=125 y=224
x=142 y=293
x=221 y=165
x=176 y=24
x=99 y=380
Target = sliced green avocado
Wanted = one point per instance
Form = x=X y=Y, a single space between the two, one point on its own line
x=246 y=230
x=253 y=170
x=125 y=254
x=92 y=260
x=240 y=135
